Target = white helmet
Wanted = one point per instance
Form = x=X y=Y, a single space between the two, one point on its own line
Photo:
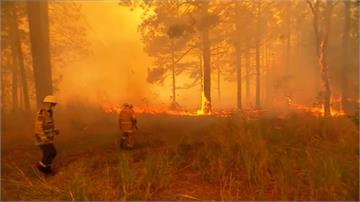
x=50 y=99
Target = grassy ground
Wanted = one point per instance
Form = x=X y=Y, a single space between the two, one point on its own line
x=297 y=157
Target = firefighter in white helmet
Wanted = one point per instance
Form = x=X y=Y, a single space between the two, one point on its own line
x=127 y=124
x=45 y=132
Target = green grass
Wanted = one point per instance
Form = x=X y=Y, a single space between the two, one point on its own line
x=299 y=157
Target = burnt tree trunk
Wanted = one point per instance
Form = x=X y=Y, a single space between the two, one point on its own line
x=12 y=60
x=325 y=85
x=257 y=50
x=315 y=9
x=173 y=73
x=206 y=63
x=238 y=56
x=247 y=74
x=218 y=74
x=288 y=40
x=321 y=24
x=345 y=69
x=39 y=37
x=14 y=83
x=16 y=50
x=238 y=76
x=206 y=56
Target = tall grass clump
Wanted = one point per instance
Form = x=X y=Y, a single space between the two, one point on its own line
x=126 y=177
x=298 y=158
x=157 y=173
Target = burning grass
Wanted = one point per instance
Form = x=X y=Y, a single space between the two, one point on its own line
x=299 y=157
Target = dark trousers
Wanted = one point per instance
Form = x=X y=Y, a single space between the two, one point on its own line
x=49 y=153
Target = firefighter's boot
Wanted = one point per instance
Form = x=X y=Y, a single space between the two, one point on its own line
x=40 y=167
x=49 y=171
x=123 y=143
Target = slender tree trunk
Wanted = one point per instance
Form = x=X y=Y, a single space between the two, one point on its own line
x=218 y=75
x=288 y=33
x=238 y=56
x=173 y=73
x=345 y=69
x=270 y=76
x=325 y=85
x=12 y=61
x=206 y=59
x=247 y=76
x=201 y=75
x=324 y=78
x=39 y=37
x=14 y=71
x=238 y=75
x=207 y=71
x=266 y=74
x=16 y=50
x=257 y=50
x=3 y=82
x=316 y=25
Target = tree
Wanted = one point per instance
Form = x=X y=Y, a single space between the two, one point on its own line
x=166 y=38
x=39 y=36
x=169 y=35
x=18 y=58
x=345 y=66
x=257 y=52
x=321 y=22
x=238 y=47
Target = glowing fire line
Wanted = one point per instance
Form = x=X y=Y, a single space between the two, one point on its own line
x=166 y=111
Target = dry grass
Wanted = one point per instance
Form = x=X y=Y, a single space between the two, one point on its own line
x=299 y=157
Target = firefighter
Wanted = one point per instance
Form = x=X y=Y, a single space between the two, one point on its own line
x=45 y=132
x=127 y=124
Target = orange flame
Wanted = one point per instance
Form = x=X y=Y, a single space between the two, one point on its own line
x=204 y=106
x=317 y=111
x=165 y=111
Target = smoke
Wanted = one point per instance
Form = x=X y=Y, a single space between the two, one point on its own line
x=115 y=72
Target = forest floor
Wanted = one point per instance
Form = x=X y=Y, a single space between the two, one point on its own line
x=297 y=157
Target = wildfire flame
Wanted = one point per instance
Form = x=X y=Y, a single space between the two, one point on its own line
x=204 y=106
x=205 y=110
x=166 y=111
x=315 y=110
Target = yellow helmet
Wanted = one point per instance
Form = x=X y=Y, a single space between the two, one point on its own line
x=50 y=99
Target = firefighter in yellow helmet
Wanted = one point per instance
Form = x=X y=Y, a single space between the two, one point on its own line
x=127 y=124
x=45 y=132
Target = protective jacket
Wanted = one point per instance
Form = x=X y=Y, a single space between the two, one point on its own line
x=127 y=120
x=44 y=127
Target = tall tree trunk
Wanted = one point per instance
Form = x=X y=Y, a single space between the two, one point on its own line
x=288 y=34
x=218 y=74
x=12 y=61
x=325 y=85
x=206 y=58
x=16 y=50
x=206 y=63
x=173 y=73
x=257 y=50
x=266 y=75
x=316 y=11
x=14 y=83
x=344 y=72
x=201 y=75
x=247 y=74
x=39 y=37
x=2 y=74
x=324 y=78
x=238 y=76
x=238 y=56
